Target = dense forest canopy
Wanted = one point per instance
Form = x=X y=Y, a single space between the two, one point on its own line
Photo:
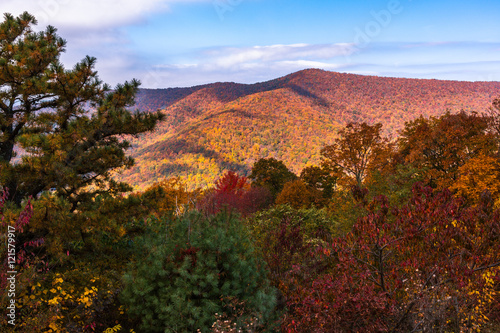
x=376 y=233
x=221 y=126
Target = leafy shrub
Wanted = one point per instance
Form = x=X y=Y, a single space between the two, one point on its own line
x=316 y=225
x=191 y=264
x=429 y=266
x=78 y=300
x=288 y=238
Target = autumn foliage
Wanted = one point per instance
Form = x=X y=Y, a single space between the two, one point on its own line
x=233 y=192
x=212 y=128
x=359 y=150
x=379 y=233
x=443 y=145
x=423 y=266
x=298 y=194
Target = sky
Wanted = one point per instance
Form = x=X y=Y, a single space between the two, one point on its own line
x=181 y=43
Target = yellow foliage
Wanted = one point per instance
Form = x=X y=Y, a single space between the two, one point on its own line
x=116 y=328
x=168 y=195
x=50 y=305
x=483 y=299
x=476 y=175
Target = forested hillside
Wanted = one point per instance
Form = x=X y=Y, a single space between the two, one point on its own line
x=220 y=126
x=375 y=234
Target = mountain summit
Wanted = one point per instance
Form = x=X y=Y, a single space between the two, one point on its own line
x=215 y=127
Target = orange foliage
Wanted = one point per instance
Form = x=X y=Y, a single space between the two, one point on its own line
x=226 y=126
x=443 y=145
x=298 y=195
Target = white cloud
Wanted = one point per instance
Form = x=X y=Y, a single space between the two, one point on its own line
x=260 y=63
x=93 y=27
x=89 y=14
x=231 y=57
x=309 y=64
x=247 y=64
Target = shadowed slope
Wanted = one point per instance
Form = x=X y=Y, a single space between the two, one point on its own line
x=220 y=126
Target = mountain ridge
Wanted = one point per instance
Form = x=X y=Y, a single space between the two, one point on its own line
x=215 y=127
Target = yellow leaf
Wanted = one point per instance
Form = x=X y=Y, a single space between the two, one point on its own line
x=53 y=301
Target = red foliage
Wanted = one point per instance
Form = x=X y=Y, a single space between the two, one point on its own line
x=23 y=254
x=285 y=247
x=232 y=183
x=255 y=199
x=233 y=191
x=336 y=304
x=402 y=269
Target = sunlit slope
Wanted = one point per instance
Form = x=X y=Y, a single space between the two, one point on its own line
x=212 y=128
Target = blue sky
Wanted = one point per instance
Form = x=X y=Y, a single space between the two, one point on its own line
x=177 y=43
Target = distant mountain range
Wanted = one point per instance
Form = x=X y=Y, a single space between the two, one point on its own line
x=216 y=127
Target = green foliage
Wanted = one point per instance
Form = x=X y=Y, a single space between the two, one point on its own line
x=271 y=173
x=396 y=185
x=61 y=229
x=316 y=224
x=321 y=179
x=101 y=226
x=186 y=269
x=62 y=283
x=69 y=124
x=286 y=236
x=345 y=209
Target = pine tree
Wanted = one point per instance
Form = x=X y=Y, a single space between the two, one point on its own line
x=189 y=271
x=68 y=124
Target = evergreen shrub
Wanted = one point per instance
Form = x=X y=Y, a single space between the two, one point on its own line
x=189 y=267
